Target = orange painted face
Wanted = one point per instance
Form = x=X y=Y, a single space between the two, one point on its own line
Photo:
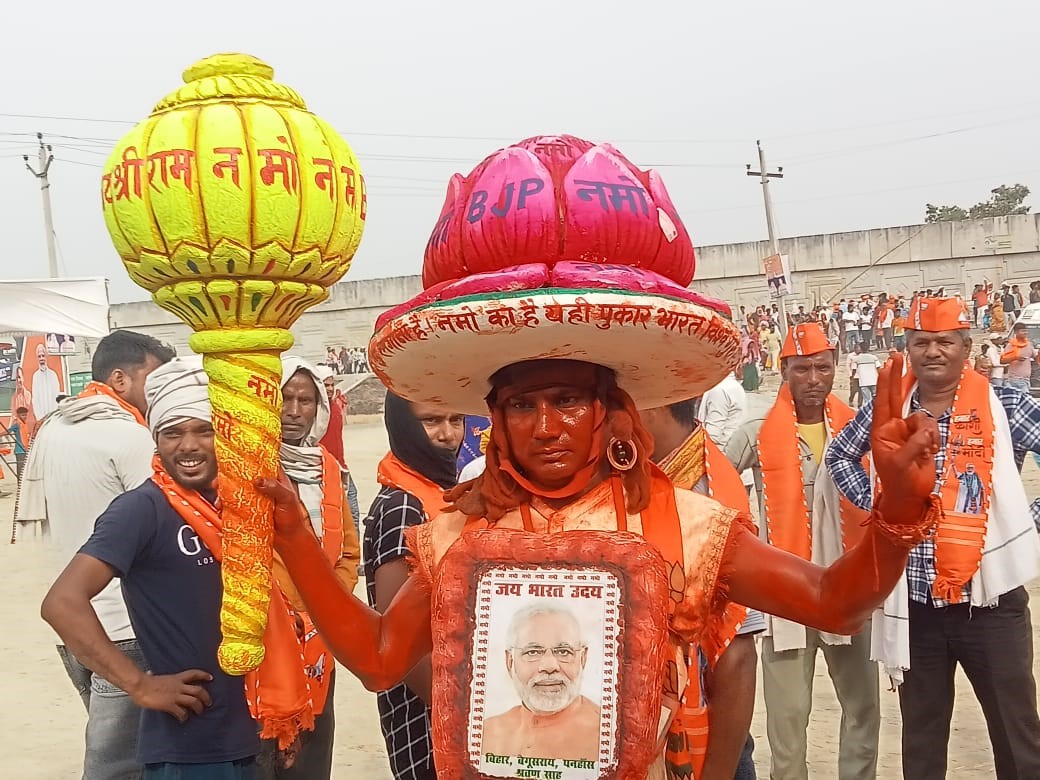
x=551 y=420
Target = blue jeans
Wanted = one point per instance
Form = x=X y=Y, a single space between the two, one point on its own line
x=352 y=502
x=746 y=765
x=851 y=340
x=112 y=719
x=243 y=769
x=1017 y=384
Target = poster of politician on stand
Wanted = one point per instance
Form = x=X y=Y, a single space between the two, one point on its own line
x=545 y=673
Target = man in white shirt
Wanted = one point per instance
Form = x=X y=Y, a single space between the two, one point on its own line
x=992 y=352
x=94 y=448
x=866 y=326
x=722 y=410
x=866 y=366
x=45 y=386
x=885 y=320
x=851 y=319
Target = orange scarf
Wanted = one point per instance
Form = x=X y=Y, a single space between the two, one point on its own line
x=100 y=388
x=698 y=457
x=395 y=474
x=788 y=519
x=284 y=694
x=961 y=531
x=1011 y=351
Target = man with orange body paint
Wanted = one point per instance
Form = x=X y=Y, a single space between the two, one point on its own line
x=561 y=361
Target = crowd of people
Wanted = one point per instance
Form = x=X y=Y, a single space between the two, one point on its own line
x=144 y=467
x=347 y=361
x=591 y=598
x=872 y=324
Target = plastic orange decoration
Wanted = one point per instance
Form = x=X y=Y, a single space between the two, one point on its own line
x=237 y=208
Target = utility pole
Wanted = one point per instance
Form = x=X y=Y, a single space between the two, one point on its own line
x=774 y=244
x=46 y=158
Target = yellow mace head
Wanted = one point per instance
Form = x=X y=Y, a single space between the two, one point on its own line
x=232 y=203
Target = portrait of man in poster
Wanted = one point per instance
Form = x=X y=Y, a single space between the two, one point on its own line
x=545 y=659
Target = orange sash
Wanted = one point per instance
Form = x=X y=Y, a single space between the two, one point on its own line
x=966 y=488
x=100 y=388
x=283 y=694
x=788 y=518
x=699 y=456
x=696 y=457
x=395 y=474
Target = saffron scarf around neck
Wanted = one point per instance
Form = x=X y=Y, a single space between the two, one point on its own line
x=1014 y=348
x=788 y=518
x=280 y=692
x=100 y=388
x=965 y=486
x=698 y=457
x=393 y=473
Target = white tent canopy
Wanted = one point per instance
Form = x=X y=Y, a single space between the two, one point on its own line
x=76 y=307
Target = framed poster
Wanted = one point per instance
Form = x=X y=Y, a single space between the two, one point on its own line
x=778 y=275
x=549 y=656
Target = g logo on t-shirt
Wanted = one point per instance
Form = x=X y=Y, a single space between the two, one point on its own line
x=191 y=546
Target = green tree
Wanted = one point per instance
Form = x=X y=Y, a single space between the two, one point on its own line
x=933 y=213
x=1005 y=201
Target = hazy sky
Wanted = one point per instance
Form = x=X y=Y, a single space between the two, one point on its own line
x=873 y=110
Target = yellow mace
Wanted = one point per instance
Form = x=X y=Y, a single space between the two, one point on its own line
x=237 y=208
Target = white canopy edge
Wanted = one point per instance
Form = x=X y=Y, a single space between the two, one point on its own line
x=75 y=307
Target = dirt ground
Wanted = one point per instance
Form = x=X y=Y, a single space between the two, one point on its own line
x=44 y=719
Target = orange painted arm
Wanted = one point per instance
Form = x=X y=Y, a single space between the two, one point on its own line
x=380 y=649
x=837 y=599
x=840 y=598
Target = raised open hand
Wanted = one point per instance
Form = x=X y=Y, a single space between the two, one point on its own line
x=903 y=449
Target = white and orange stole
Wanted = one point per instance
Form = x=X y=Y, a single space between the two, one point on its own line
x=790 y=523
x=986 y=536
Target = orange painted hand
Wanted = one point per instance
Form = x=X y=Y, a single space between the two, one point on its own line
x=289 y=514
x=903 y=449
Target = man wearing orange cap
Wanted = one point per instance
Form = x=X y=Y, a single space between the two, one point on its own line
x=962 y=600
x=801 y=512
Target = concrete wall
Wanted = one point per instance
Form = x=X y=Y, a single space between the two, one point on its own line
x=898 y=260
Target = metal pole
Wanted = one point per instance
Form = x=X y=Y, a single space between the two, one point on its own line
x=774 y=244
x=46 y=158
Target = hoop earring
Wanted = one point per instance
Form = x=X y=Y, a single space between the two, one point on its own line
x=622 y=455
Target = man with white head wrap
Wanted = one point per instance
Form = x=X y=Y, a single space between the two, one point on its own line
x=316 y=475
x=162 y=540
x=333 y=438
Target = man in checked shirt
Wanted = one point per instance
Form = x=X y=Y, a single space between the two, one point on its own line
x=963 y=600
